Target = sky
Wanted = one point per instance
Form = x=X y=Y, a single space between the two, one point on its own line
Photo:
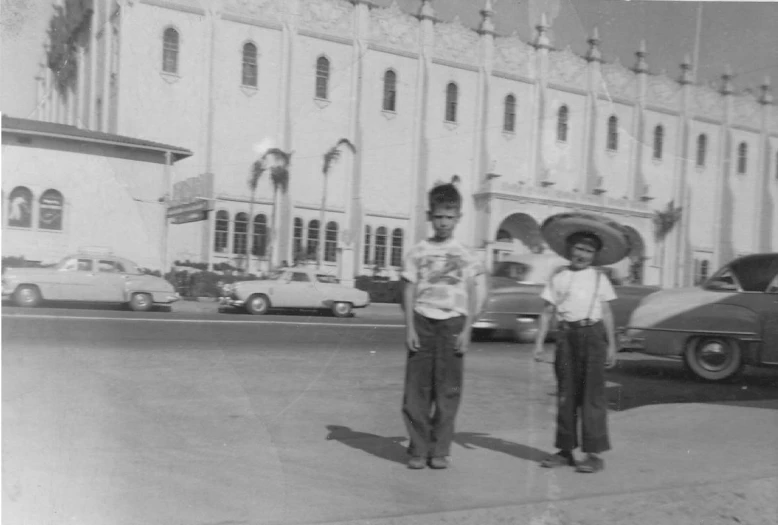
x=741 y=34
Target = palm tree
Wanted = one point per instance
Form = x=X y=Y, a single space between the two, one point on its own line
x=330 y=157
x=664 y=222
x=277 y=161
x=257 y=169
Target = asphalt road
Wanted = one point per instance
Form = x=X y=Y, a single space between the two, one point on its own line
x=113 y=417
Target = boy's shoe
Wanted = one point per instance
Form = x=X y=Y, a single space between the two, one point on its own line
x=416 y=463
x=560 y=459
x=439 y=462
x=590 y=465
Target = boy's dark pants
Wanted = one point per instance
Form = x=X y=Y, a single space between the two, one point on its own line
x=580 y=372
x=433 y=380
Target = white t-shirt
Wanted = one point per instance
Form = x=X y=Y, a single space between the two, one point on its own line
x=576 y=294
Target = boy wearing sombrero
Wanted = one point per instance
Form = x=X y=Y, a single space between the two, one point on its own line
x=579 y=295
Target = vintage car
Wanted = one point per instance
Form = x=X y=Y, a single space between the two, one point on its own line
x=514 y=304
x=298 y=287
x=731 y=320
x=90 y=277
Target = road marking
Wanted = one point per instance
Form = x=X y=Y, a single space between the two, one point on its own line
x=224 y=321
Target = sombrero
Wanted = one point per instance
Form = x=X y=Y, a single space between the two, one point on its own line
x=615 y=241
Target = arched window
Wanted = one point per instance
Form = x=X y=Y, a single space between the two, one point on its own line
x=397 y=247
x=170 y=51
x=561 y=123
x=368 y=246
x=239 y=238
x=702 y=147
x=322 y=77
x=659 y=136
x=509 y=116
x=742 y=157
x=20 y=208
x=298 y=238
x=249 y=76
x=704 y=270
x=313 y=238
x=50 y=208
x=613 y=133
x=221 y=233
x=452 y=94
x=259 y=244
x=390 y=90
x=331 y=241
x=504 y=236
x=380 y=247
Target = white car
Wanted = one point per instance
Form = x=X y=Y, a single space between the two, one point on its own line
x=303 y=288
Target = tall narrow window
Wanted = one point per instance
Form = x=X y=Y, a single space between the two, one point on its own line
x=390 y=90
x=380 y=247
x=331 y=241
x=509 y=116
x=397 y=247
x=298 y=238
x=702 y=147
x=742 y=158
x=659 y=137
x=259 y=244
x=313 y=238
x=452 y=94
x=561 y=123
x=704 y=270
x=368 y=246
x=221 y=233
x=20 y=208
x=249 y=76
x=322 y=77
x=239 y=238
x=170 y=51
x=613 y=133
x=50 y=208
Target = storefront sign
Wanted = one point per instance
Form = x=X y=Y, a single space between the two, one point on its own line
x=192 y=199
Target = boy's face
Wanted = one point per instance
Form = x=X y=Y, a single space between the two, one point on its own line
x=444 y=220
x=581 y=255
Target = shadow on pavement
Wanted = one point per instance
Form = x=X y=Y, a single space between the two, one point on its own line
x=473 y=440
x=639 y=381
x=388 y=448
x=85 y=305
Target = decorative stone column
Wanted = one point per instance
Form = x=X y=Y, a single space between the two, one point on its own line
x=724 y=163
x=594 y=77
x=542 y=44
x=763 y=169
x=636 y=181
x=683 y=154
x=93 y=28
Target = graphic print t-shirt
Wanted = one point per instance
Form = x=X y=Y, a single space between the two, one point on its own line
x=441 y=272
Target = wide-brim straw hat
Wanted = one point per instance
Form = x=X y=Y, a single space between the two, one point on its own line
x=615 y=241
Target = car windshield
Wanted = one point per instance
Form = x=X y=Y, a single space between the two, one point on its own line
x=324 y=278
x=275 y=276
x=755 y=273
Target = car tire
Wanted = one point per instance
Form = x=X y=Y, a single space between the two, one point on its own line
x=141 y=302
x=526 y=332
x=27 y=296
x=258 y=304
x=713 y=358
x=342 y=309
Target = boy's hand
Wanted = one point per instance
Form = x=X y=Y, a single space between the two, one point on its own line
x=537 y=354
x=463 y=342
x=412 y=340
x=610 y=358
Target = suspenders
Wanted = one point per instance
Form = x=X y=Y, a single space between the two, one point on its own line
x=591 y=305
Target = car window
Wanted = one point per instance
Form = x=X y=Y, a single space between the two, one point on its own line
x=724 y=280
x=773 y=288
x=85 y=265
x=755 y=273
x=300 y=277
x=107 y=266
x=324 y=278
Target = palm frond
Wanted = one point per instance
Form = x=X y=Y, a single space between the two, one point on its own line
x=257 y=169
x=333 y=154
x=665 y=220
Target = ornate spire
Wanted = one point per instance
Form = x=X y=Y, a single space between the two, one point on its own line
x=726 y=81
x=487 y=26
x=641 y=66
x=767 y=96
x=541 y=40
x=426 y=11
x=686 y=71
x=594 y=54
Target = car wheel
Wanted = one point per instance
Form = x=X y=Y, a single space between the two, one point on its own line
x=713 y=358
x=27 y=296
x=141 y=302
x=526 y=330
x=258 y=304
x=341 y=309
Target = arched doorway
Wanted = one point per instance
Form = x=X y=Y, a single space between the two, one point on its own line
x=517 y=234
x=636 y=256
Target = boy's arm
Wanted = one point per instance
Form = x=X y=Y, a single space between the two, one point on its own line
x=409 y=295
x=610 y=333
x=544 y=322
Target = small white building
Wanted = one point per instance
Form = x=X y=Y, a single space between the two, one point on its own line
x=66 y=189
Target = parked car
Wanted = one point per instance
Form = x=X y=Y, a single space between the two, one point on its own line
x=514 y=304
x=90 y=277
x=301 y=288
x=731 y=320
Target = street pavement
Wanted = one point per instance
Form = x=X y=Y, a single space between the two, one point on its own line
x=196 y=417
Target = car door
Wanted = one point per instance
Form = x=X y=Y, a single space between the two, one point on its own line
x=108 y=281
x=74 y=282
x=758 y=278
x=302 y=291
x=770 y=330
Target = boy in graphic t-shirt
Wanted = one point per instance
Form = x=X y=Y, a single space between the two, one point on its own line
x=445 y=289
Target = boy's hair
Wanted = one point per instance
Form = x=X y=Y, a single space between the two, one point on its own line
x=445 y=195
x=586 y=238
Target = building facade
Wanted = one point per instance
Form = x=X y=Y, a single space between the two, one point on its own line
x=527 y=130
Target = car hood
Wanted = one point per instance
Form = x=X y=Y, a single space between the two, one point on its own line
x=666 y=304
x=25 y=272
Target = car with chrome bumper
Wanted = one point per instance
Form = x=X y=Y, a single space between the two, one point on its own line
x=88 y=277
x=717 y=328
x=294 y=288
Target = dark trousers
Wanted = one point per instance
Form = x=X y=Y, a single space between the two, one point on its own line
x=433 y=386
x=580 y=373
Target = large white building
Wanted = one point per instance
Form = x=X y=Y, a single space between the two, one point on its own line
x=529 y=130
